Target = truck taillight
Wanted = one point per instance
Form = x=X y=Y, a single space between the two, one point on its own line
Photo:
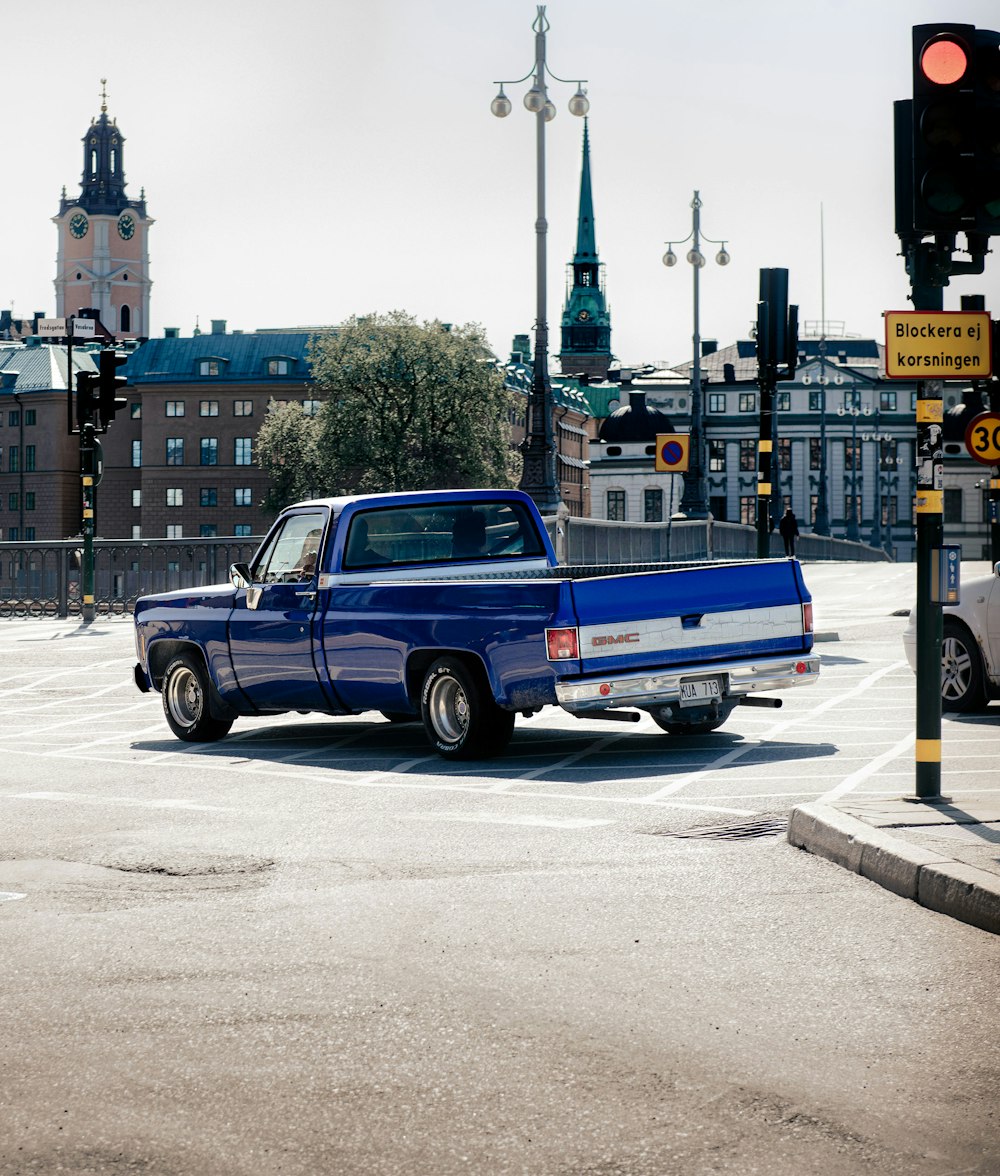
x=807 y=618
x=562 y=644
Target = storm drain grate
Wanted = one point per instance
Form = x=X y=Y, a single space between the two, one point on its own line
x=739 y=831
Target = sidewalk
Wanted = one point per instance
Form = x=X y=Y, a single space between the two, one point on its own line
x=946 y=857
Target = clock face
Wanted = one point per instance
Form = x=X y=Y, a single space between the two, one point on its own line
x=583 y=316
x=78 y=224
x=126 y=226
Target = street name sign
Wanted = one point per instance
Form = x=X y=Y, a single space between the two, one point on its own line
x=673 y=452
x=55 y=328
x=938 y=345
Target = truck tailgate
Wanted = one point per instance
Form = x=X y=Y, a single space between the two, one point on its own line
x=692 y=614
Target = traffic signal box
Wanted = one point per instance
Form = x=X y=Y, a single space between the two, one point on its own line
x=111 y=398
x=86 y=399
x=955 y=117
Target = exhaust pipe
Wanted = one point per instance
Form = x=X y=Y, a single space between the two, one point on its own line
x=620 y=716
x=756 y=700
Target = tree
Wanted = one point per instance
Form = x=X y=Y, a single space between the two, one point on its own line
x=286 y=451
x=410 y=406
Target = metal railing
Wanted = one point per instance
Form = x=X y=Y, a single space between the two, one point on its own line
x=43 y=579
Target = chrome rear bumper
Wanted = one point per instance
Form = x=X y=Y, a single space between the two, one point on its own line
x=659 y=687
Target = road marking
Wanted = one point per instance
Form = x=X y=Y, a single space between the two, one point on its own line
x=501 y=819
x=10 y=895
x=855 y=778
x=69 y=673
x=546 y=769
x=128 y=801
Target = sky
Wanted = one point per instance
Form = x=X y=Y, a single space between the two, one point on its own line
x=313 y=159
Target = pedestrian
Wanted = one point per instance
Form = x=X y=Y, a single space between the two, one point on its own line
x=789 y=528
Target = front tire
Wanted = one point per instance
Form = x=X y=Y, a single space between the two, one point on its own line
x=185 y=702
x=461 y=719
x=962 y=681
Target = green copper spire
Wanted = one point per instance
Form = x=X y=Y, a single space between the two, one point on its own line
x=586 y=323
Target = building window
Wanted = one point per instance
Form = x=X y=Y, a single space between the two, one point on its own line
x=785 y=453
x=242 y=408
x=29 y=459
x=888 y=458
x=137 y=498
x=852 y=398
x=748 y=509
x=12 y=534
x=616 y=505
x=136 y=454
x=209 y=451
x=242 y=529
x=209 y=496
x=208 y=408
x=815 y=453
x=175 y=496
x=175 y=408
x=208 y=530
x=277 y=367
x=13 y=458
x=852 y=455
x=243 y=496
x=126 y=313
x=716 y=402
x=748 y=455
x=13 y=501
x=748 y=402
x=175 y=531
x=175 y=451
x=15 y=418
x=952 y=506
x=29 y=534
x=887 y=401
x=136 y=531
x=857 y=507
x=30 y=416
x=243 y=451
x=782 y=402
x=889 y=510
x=135 y=410
x=816 y=396
x=208 y=367
x=310 y=407
x=719 y=507
x=716 y=457
x=813 y=508
x=29 y=500
x=913 y=400
x=652 y=506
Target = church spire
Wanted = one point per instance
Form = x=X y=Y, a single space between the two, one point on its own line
x=586 y=321
x=102 y=185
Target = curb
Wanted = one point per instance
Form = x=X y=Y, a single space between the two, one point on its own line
x=934 y=881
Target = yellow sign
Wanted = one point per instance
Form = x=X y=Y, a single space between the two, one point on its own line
x=937 y=345
x=673 y=451
x=982 y=438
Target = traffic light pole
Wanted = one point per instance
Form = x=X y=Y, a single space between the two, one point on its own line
x=88 y=479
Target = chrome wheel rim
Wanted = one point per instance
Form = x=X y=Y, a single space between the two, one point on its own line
x=184 y=697
x=956 y=669
x=449 y=709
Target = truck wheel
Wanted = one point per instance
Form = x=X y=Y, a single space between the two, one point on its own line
x=668 y=719
x=461 y=719
x=185 y=702
x=962 y=686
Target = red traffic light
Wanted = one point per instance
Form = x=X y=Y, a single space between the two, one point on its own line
x=944 y=60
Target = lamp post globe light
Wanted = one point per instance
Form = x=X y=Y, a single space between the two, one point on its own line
x=694 y=501
x=538 y=476
x=854 y=411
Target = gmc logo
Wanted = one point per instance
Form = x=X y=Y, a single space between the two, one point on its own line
x=616 y=639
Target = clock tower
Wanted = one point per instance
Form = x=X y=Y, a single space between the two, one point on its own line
x=103 y=257
x=586 y=321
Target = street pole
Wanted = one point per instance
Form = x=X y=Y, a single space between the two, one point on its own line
x=88 y=466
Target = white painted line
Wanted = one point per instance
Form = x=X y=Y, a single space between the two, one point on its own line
x=127 y=801
x=851 y=782
x=67 y=673
x=604 y=744
x=501 y=819
x=10 y=895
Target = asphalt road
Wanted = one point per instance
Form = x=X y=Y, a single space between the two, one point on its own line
x=316 y=948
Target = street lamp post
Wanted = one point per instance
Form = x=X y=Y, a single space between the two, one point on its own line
x=879 y=439
x=694 y=501
x=853 y=530
x=538 y=476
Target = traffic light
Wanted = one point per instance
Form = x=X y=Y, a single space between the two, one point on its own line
x=111 y=385
x=86 y=398
x=986 y=134
x=777 y=323
x=943 y=126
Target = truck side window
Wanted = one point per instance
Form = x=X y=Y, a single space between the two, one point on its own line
x=293 y=551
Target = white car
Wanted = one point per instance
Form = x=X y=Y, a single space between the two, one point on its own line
x=970 y=651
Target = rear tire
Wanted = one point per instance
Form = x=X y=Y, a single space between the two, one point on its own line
x=461 y=719
x=963 y=686
x=701 y=722
x=185 y=702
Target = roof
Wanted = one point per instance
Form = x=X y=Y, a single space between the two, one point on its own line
x=635 y=422
x=742 y=355
x=42 y=368
x=171 y=361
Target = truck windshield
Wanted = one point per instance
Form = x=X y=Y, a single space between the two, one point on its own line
x=453 y=532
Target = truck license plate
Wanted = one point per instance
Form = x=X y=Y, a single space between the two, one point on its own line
x=699 y=690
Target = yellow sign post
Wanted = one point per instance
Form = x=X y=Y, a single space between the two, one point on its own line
x=673 y=452
x=938 y=345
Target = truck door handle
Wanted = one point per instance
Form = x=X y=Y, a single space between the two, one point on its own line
x=307 y=593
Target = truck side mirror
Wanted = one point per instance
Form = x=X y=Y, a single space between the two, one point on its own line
x=239 y=575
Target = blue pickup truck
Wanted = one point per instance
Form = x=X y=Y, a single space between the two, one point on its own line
x=448 y=607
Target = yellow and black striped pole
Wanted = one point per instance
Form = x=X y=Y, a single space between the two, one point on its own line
x=88 y=480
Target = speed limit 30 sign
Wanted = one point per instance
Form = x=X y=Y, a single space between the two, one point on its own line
x=982 y=438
